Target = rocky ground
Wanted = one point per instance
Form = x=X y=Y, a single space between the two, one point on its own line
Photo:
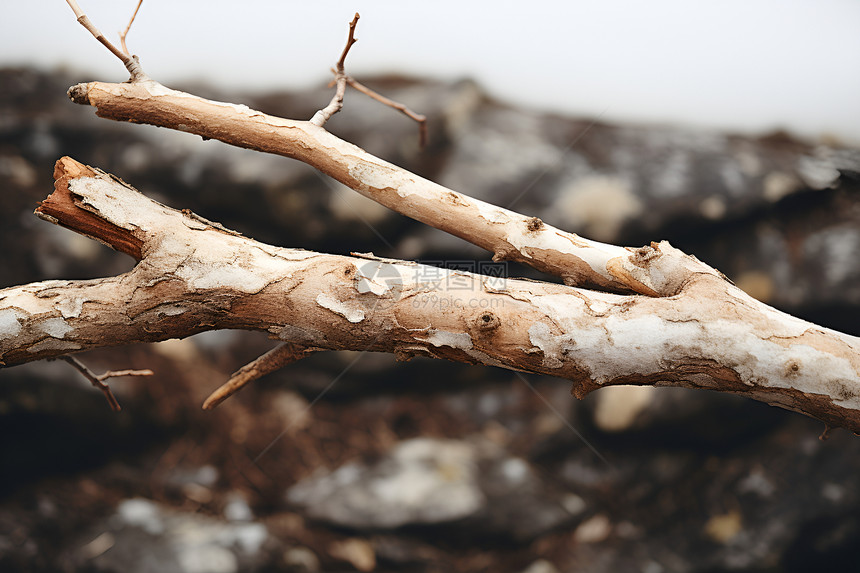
x=351 y=461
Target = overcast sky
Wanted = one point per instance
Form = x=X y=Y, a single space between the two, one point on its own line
x=748 y=65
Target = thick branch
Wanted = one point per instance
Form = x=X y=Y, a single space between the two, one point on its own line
x=67 y=210
x=656 y=270
x=196 y=276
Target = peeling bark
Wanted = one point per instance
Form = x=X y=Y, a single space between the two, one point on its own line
x=194 y=275
x=507 y=234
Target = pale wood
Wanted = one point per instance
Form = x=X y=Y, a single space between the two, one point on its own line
x=194 y=276
x=507 y=234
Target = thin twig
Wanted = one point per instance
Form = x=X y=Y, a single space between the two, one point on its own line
x=341 y=80
x=122 y=35
x=97 y=380
x=349 y=42
x=419 y=118
x=336 y=103
x=272 y=360
x=131 y=63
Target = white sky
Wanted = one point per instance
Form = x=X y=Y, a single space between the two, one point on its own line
x=748 y=65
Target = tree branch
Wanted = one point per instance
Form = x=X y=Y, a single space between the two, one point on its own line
x=692 y=328
x=417 y=117
x=131 y=63
x=123 y=34
x=272 y=360
x=195 y=276
x=655 y=270
x=98 y=380
x=336 y=103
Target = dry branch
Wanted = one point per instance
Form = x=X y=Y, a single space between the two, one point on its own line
x=130 y=62
x=686 y=325
x=508 y=235
x=272 y=360
x=98 y=380
x=195 y=276
x=336 y=103
x=124 y=33
x=420 y=119
x=341 y=80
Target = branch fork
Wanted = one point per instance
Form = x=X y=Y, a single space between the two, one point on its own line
x=98 y=380
x=131 y=63
x=650 y=315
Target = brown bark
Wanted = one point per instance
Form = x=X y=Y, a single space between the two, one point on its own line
x=508 y=235
x=194 y=275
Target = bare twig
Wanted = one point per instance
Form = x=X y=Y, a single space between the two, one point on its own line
x=349 y=42
x=507 y=234
x=421 y=119
x=272 y=360
x=341 y=80
x=122 y=35
x=336 y=103
x=131 y=63
x=97 y=380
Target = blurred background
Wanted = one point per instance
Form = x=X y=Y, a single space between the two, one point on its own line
x=739 y=65
x=729 y=129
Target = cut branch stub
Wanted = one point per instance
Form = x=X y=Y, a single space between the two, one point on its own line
x=131 y=63
x=67 y=210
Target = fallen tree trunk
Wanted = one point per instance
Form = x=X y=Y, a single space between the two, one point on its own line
x=194 y=275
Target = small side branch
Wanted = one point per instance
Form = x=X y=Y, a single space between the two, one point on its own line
x=336 y=103
x=204 y=278
x=131 y=63
x=341 y=80
x=417 y=117
x=97 y=380
x=124 y=33
x=272 y=360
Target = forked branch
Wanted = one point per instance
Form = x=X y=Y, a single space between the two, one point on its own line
x=98 y=380
x=691 y=328
x=341 y=80
x=196 y=276
x=508 y=235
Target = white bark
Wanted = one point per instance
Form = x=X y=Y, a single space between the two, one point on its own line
x=509 y=235
x=194 y=275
